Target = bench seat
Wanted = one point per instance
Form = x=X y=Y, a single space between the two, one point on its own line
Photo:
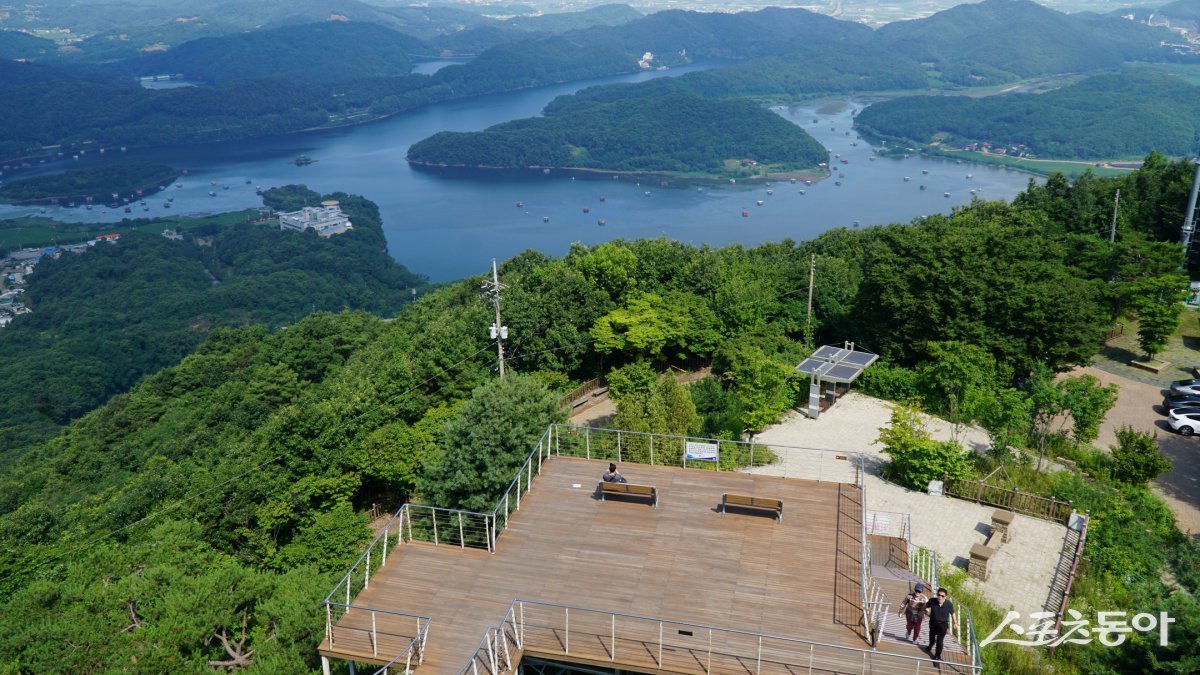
x=775 y=506
x=629 y=489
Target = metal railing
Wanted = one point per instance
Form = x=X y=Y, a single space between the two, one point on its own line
x=969 y=642
x=866 y=579
x=923 y=562
x=890 y=524
x=467 y=529
x=875 y=611
x=554 y=630
x=616 y=445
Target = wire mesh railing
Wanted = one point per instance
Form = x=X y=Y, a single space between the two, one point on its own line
x=630 y=641
x=890 y=524
x=694 y=452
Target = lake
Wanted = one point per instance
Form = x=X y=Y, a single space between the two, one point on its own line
x=450 y=224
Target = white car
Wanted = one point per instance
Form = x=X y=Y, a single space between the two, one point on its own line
x=1186 y=410
x=1186 y=424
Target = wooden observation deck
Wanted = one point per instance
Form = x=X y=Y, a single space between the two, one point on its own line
x=679 y=588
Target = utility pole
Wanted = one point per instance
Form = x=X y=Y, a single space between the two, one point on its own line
x=1112 y=232
x=812 y=272
x=497 y=331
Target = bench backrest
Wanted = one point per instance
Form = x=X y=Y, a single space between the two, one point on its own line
x=759 y=502
x=628 y=488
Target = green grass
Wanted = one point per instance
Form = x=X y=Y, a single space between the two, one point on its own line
x=1042 y=167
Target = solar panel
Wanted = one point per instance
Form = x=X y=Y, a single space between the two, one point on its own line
x=826 y=353
x=842 y=373
x=808 y=366
x=836 y=364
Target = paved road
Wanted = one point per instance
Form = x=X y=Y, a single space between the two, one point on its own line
x=1139 y=404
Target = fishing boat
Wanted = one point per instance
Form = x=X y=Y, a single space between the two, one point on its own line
x=545 y=219
x=906 y=179
x=601 y=197
x=212 y=194
x=802 y=192
x=302 y=160
x=770 y=192
x=759 y=202
x=128 y=210
x=520 y=205
x=600 y=222
x=586 y=210
x=925 y=172
x=745 y=213
x=945 y=194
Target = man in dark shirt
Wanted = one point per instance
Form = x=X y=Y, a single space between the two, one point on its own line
x=941 y=612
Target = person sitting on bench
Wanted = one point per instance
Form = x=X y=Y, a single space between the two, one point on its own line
x=612 y=475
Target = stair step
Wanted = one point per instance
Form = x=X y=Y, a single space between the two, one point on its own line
x=893 y=631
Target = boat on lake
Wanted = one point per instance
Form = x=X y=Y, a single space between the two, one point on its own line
x=302 y=160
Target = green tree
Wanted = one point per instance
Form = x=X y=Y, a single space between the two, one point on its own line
x=1088 y=403
x=960 y=379
x=916 y=457
x=1136 y=458
x=487 y=440
x=1158 y=303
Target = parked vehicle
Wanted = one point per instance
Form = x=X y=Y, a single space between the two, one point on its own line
x=1181 y=401
x=1188 y=410
x=1185 y=386
x=1186 y=425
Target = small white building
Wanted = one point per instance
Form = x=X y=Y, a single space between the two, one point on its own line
x=326 y=219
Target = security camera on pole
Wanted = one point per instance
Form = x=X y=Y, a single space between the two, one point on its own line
x=497 y=331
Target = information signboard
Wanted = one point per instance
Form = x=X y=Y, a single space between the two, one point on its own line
x=706 y=452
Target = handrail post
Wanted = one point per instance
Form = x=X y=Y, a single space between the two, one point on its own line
x=708 y=666
x=433 y=514
x=567 y=630
x=587 y=442
x=521 y=633
x=374 y=636
x=518 y=489
x=329 y=624
x=618 y=445
x=612 y=652
x=347 y=594
x=758 y=661
x=385 y=539
x=462 y=541
x=660 y=641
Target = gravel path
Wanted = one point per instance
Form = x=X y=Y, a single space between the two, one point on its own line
x=1022 y=571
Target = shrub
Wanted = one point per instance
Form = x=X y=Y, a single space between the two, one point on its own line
x=1136 y=458
x=917 y=458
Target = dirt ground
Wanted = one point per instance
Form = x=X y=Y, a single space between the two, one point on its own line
x=1140 y=406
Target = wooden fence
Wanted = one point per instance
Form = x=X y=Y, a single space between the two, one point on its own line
x=1011 y=499
x=582 y=391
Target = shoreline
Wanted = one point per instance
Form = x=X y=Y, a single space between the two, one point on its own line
x=812 y=175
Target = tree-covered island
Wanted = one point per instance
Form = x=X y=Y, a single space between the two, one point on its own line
x=101 y=184
x=656 y=127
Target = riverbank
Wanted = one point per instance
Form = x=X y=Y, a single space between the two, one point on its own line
x=807 y=176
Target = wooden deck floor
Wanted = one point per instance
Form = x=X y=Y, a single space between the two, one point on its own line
x=683 y=561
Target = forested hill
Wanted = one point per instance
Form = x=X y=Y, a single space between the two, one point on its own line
x=1001 y=40
x=227 y=493
x=16 y=45
x=104 y=319
x=788 y=52
x=1142 y=110
x=516 y=28
x=652 y=127
x=318 y=52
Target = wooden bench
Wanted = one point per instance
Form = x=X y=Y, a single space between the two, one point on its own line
x=629 y=489
x=775 y=506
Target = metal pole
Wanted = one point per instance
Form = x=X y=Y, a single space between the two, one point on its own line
x=385 y=533
x=1189 y=225
x=651 y=449
x=618 y=445
x=567 y=630
x=812 y=273
x=433 y=513
x=367 y=572
x=612 y=653
x=1112 y=232
x=462 y=542
x=708 y=666
x=587 y=442
x=660 y=641
x=374 y=637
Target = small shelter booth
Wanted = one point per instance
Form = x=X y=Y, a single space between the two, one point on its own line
x=830 y=370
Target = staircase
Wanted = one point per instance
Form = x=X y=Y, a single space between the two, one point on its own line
x=889 y=569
